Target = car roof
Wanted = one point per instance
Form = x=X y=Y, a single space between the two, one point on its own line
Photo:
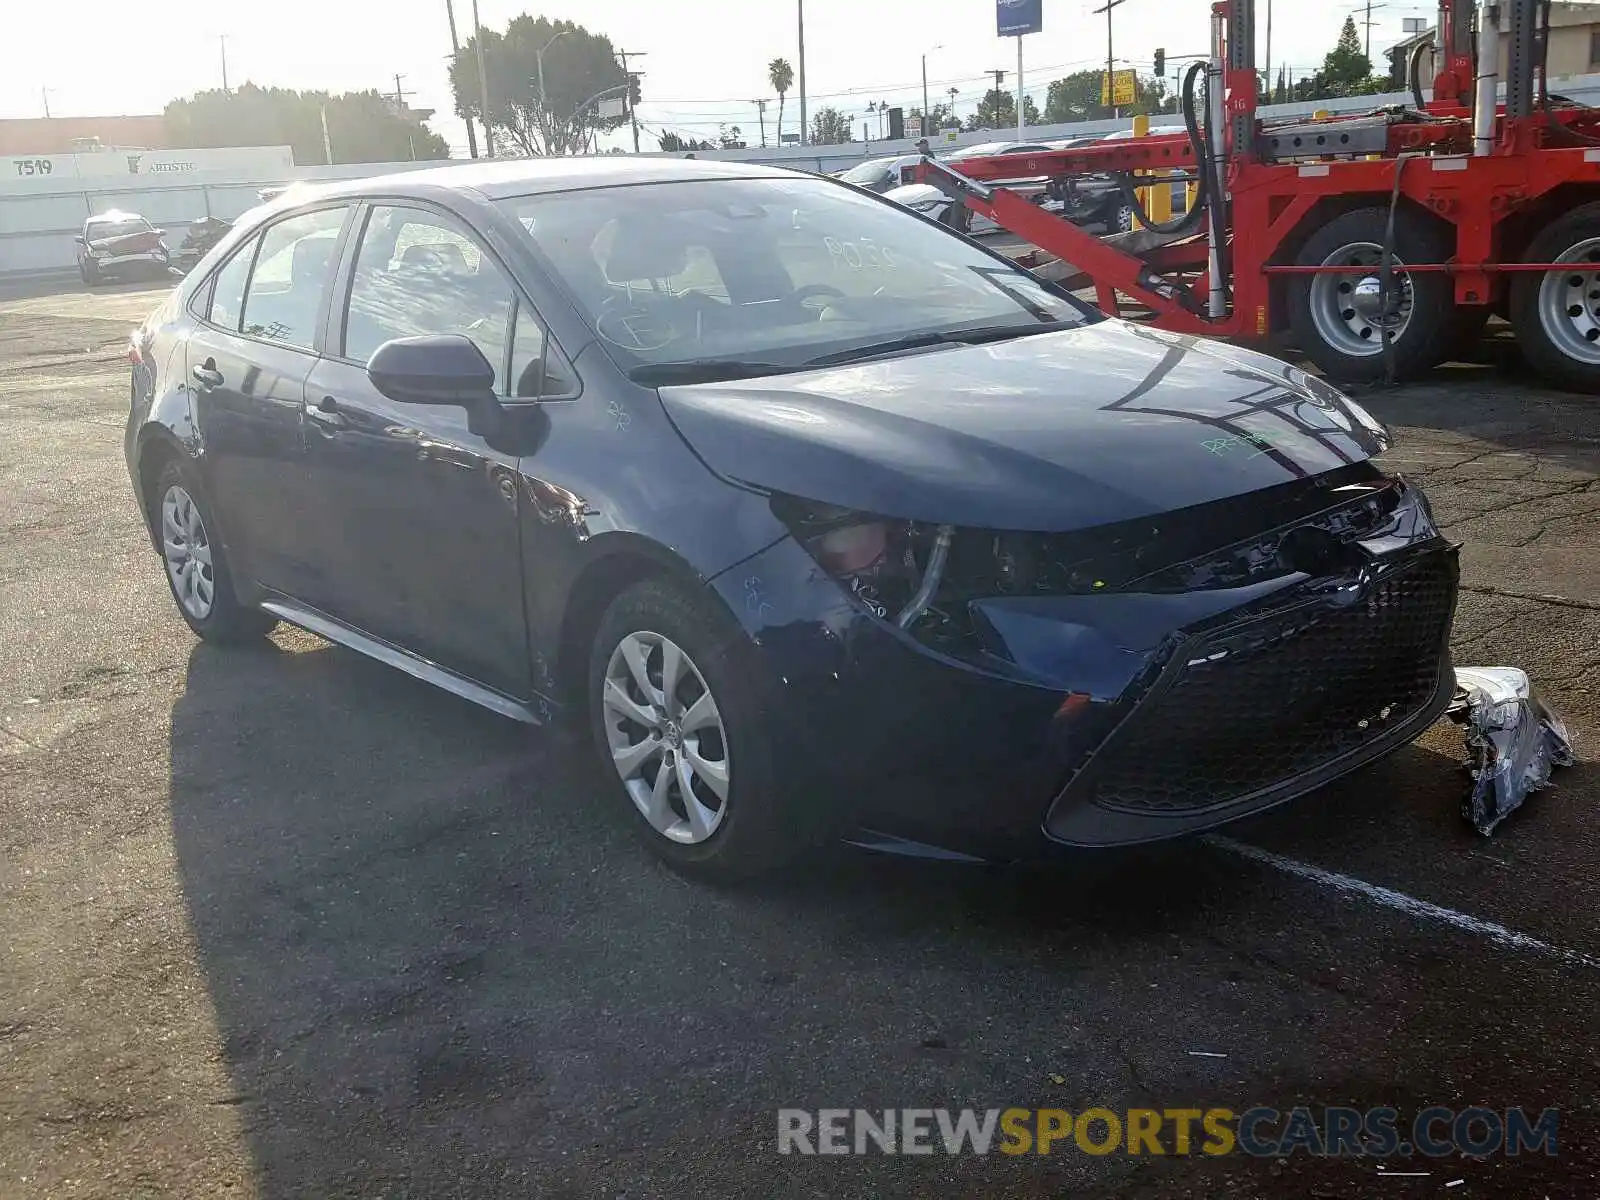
x=501 y=178
x=114 y=217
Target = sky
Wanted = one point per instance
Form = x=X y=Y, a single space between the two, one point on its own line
x=705 y=60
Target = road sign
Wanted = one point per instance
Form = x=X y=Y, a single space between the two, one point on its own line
x=611 y=108
x=1013 y=18
x=1127 y=89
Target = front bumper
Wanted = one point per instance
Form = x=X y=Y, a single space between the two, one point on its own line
x=1119 y=718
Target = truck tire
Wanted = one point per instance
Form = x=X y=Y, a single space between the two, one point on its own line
x=1556 y=314
x=1340 y=328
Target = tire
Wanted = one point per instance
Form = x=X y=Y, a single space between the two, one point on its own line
x=89 y=272
x=1553 y=338
x=1124 y=218
x=750 y=828
x=181 y=517
x=1429 y=332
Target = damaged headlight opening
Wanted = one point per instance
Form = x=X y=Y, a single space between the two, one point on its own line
x=924 y=577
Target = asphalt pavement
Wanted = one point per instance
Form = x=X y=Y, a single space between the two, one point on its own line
x=283 y=922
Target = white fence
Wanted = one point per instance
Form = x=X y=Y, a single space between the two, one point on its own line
x=40 y=216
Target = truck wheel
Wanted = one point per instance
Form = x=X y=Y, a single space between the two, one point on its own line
x=1338 y=318
x=1557 y=313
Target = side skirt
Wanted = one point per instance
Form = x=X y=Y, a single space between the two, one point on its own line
x=414 y=665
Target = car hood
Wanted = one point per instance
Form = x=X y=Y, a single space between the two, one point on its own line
x=1052 y=432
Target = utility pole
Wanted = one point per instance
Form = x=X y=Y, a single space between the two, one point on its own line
x=1111 y=68
x=1368 y=22
x=455 y=47
x=222 y=40
x=483 y=82
x=761 y=115
x=1269 y=51
x=44 y=94
x=800 y=6
x=399 y=96
x=627 y=94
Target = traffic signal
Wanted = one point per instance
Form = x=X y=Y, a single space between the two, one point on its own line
x=1161 y=61
x=633 y=89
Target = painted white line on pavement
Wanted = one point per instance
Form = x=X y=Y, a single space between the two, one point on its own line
x=1389 y=898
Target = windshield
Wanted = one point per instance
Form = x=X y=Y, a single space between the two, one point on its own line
x=773 y=273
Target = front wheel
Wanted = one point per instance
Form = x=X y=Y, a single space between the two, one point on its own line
x=1557 y=313
x=88 y=272
x=681 y=725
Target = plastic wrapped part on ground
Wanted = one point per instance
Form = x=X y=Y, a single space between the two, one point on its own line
x=1514 y=741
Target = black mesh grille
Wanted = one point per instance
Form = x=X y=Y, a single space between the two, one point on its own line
x=1256 y=706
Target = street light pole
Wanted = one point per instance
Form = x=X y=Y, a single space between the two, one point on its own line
x=538 y=61
x=927 y=120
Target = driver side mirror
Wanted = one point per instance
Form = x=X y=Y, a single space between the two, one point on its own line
x=79 y=239
x=435 y=369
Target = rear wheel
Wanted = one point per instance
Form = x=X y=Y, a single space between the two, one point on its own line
x=196 y=564
x=681 y=727
x=1557 y=313
x=1339 y=318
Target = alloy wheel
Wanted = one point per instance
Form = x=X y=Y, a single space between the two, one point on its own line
x=186 y=550
x=1347 y=309
x=1569 y=303
x=666 y=737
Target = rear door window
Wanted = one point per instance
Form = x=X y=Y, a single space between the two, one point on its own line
x=292 y=269
x=227 y=287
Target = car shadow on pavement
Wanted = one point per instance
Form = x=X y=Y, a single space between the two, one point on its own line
x=439 y=968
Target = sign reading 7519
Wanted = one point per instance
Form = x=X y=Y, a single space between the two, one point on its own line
x=34 y=166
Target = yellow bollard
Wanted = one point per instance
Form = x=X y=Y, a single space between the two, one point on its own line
x=1141 y=128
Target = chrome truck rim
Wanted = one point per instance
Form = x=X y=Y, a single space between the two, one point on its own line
x=666 y=737
x=1569 y=303
x=1347 y=309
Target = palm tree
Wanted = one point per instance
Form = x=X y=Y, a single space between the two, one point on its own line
x=781 y=76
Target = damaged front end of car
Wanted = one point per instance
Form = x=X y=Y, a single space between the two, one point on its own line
x=1134 y=681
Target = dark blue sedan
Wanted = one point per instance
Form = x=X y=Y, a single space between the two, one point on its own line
x=824 y=520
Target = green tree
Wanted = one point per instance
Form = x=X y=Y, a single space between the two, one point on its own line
x=1345 y=66
x=998 y=110
x=781 y=76
x=944 y=117
x=730 y=137
x=362 y=126
x=578 y=66
x=674 y=142
x=830 y=127
x=1075 y=97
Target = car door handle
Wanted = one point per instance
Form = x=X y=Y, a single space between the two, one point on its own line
x=207 y=375
x=327 y=414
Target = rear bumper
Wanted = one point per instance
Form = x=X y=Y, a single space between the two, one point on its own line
x=1008 y=762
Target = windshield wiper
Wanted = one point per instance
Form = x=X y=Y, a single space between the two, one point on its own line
x=946 y=337
x=705 y=370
